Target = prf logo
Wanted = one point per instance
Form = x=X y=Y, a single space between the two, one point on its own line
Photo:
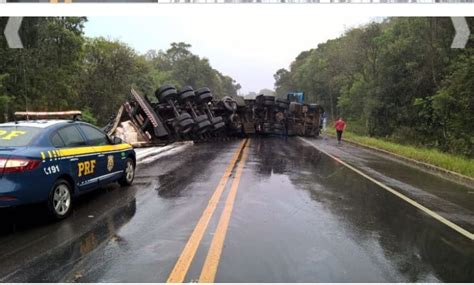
x=110 y=162
x=86 y=168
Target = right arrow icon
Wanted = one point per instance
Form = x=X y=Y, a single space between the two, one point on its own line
x=462 y=32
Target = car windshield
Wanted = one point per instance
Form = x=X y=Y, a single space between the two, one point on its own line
x=15 y=136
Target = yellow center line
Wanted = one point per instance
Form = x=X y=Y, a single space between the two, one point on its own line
x=209 y=270
x=181 y=267
x=412 y=202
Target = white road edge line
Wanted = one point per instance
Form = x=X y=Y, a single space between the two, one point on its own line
x=400 y=195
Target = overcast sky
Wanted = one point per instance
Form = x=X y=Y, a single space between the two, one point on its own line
x=246 y=44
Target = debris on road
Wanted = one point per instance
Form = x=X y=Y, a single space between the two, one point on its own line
x=196 y=115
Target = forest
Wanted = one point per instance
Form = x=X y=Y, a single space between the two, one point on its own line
x=61 y=69
x=398 y=79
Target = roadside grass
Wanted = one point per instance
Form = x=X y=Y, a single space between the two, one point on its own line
x=459 y=164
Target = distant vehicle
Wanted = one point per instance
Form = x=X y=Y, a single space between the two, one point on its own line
x=54 y=161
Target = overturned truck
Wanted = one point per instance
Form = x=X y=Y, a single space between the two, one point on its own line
x=186 y=114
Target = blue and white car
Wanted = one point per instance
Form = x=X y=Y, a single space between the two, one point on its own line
x=54 y=161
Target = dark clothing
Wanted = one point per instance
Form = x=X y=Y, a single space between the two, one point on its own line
x=339 y=136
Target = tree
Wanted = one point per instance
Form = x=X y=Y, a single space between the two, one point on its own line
x=110 y=68
x=43 y=75
x=398 y=79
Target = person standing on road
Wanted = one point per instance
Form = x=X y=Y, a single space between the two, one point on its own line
x=340 y=126
x=324 y=125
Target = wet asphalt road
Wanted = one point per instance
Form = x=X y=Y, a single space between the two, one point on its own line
x=298 y=216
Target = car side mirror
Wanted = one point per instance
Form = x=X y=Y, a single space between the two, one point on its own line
x=116 y=140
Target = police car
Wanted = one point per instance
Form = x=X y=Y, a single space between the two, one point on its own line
x=54 y=161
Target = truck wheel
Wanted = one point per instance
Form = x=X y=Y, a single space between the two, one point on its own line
x=217 y=122
x=204 y=97
x=202 y=90
x=235 y=122
x=183 y=117
x=185 y=126
x=183 y=123
x=185 y=95
x=202 y=124
x=229 y=104
x=167 y=95
x=165 y=87
x=162 y=89
x=60 y=199
x=129 y=173
x=186 y=89
x=219 y=126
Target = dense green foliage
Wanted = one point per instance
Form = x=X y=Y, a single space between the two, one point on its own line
x=61 y=69
x=398 y=79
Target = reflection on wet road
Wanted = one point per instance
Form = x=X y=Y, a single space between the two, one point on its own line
x=298 y=216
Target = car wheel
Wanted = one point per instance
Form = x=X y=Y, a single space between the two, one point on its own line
x=60 y=199
x=129 y=174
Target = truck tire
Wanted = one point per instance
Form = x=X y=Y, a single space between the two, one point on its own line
x=217 y=123
x=185 y=95
x=204 y=98
x=229 y=104
x=165 y=87
x=219 y=126
x=183 y=116
x=202 y=90
x=186 y=89
x=166 y=95
x=203 y=127
x=185 y=126
x=184 y=123
x=202 y=124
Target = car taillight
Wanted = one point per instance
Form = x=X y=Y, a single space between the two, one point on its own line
x=13 y=165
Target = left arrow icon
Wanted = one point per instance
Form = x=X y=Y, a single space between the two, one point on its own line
x=11 y=32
